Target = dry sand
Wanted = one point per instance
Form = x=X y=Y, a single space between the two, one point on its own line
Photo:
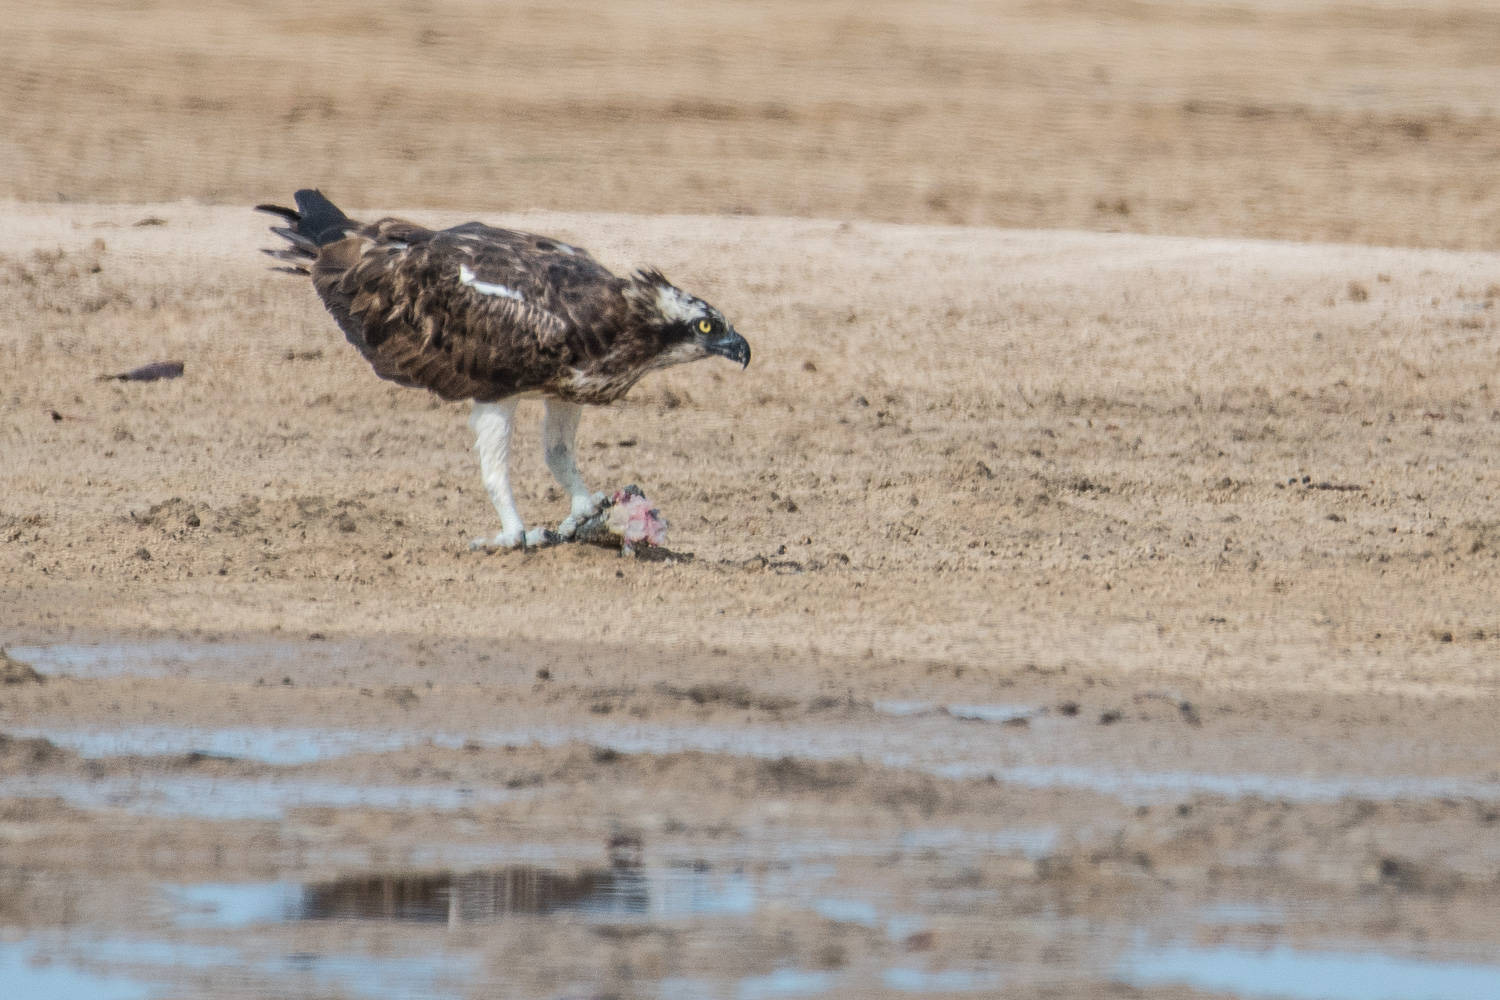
x=977 y=450
x=1370 y=122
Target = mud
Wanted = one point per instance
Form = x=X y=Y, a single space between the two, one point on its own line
x=492 y=839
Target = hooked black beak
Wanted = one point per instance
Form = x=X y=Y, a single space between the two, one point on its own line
x=732 y=346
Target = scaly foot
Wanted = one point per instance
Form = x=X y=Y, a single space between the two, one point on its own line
x=536 y=538
x=583 y=509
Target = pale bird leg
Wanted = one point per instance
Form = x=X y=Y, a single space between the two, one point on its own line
x=492 y=424
x=560 y=447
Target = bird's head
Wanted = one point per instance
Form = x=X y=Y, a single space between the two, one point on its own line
x=687 y=327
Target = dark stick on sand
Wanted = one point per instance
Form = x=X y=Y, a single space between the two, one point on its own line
x=148 y=373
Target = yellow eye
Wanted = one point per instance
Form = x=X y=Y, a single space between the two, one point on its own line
x=704 y=326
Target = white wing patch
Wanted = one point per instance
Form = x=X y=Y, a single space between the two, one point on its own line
x=484 y=287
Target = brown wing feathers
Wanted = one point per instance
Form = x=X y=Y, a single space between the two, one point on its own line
x=470 y=312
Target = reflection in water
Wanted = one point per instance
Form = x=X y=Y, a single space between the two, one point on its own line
x=458 y=897
x=448 y=898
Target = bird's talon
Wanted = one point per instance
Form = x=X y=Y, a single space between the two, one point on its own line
x=500 y=543
x=539 y=538
x=581 y=513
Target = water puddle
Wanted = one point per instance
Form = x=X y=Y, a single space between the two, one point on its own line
x=1239 y=914
x=939 y=745
x=765 y=909
x=848 y=911
x=230 y=904
x=159 y=657
x=1148 y=787
x=785 y=983
x=263 y=745
x=411 y=934
x=247 y=798
x=143 y=968
x=810 y=853
x=909 y=980
x=31 y=974
x=990 y=713
x=905 y=709
x=1312 y=975
x=970 y=713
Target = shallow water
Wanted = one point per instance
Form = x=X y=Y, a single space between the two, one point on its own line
x=241 y=798
x=974 y=713
x=992 y=903
x=943 y=746
x=264 y=745
x=158 y=657
x=909 y=980
x=26 y=969
x=144 y=968
x=266 y=953
x=720 y=902
x=1313 y=975
x=897 y=913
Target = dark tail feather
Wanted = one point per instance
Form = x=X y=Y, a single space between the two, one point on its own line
x=296 y=239
x=289 y=214
x=316 y=222
x=320 y=219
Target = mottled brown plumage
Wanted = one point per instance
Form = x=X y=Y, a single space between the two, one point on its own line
x=475 y=312
x=561 y=325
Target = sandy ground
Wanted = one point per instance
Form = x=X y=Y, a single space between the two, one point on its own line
x=967 y=451
x=1041 y=581
x=1097 y=608
x=1371 y=122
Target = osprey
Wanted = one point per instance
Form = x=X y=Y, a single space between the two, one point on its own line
x=494 y=315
